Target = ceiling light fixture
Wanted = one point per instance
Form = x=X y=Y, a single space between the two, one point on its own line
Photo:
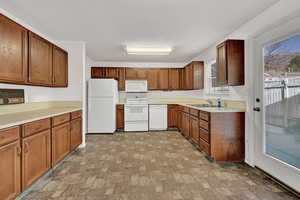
x=149 y=51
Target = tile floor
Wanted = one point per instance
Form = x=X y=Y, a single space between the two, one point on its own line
x=151 y=166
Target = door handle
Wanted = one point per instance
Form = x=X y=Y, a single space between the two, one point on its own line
x=256 y=109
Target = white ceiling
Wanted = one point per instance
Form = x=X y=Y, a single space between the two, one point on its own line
x=188 y=26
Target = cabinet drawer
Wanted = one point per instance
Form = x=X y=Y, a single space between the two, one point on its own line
x=204 y=115
x=194 y=112
x=9 y=135
x=205 y=146
x=60 y=119
x=204 y=124
x=35 y=127
x=204 y=135
x=186 y=109
x=76 y=114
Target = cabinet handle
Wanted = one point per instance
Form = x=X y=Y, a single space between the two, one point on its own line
x=19 y=150
x=25 y=147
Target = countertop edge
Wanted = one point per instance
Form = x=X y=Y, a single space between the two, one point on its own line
x=224 y=110
x=37 y=118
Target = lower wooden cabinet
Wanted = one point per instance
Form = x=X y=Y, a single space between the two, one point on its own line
x=76 y=133
x=186 y=124
x=172 y=116
x=194 y=129
x=60 y=142
x=36 y=157
x=10 y=170
x=120 y=117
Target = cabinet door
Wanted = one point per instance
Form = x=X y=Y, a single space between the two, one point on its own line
x=120 y=116
x=188 y=74
x=112 y=72
x=194 y=129
x=198 y=80
x=97 y=72
x=60 y=142
x=221 y=64
x=186 y=124
x=40 y=61
x=163 y=79
x=10 y=170
x=174 y=79
x=13 y=51
x=76 y=133
x=36 y=157
x=131 y=73
x=142 y=74
x=235 y=62
x=60 y=67
x=181 y=79
x=121 y=79
x=153 y=79
x=172 y=116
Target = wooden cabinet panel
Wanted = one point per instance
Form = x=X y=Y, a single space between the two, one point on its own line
x=204 y=135
x=121 y=79
x=112 y=72
x=60 y=119
x=204 y=146
x=40 y=61
x=174 y=79
x=76 y=114
x=163 y=79
x=181 y=79
x=204 y=124
x=9 y=135
x=36 y=157
x=10 y=170
x=173 y=116
x=186 y=124
x=13 y=52
x=221 y=64
x=194 y=112
x=194 y=129
x=227 y=137
x=35 y=127
x=120 y=117
x=76 y=133
x=60 y=67
x=188 y=77
x=198 y=73
x=97 y=72
x=204 y=115
x=136 y=73
x=60 y=142
x=153 y=79
x=230 y=63
x=235 y=62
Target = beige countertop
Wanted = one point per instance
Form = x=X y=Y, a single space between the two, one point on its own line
x=230 y=105
x=13 y=115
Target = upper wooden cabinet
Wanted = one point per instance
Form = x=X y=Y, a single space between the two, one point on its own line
x=121 y=79
x=198 y=75
x=136 y=73
x=60 y=67
x=28 y=59
x=230 y=63
x=188 y=77
x=174 y=79
x=13 y=52
x=158 y=79
x=40 y=61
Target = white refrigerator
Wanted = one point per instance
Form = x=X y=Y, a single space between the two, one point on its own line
x=102 y=100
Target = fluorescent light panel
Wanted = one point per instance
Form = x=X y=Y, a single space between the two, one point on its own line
x=155 y=51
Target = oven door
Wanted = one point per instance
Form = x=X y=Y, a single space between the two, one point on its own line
x=136 y=113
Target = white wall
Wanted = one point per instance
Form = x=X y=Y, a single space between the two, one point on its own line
x=271 y=17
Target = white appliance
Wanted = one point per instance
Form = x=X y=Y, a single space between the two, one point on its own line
x=158 y=117
x=136 y=86
x=136 y=113
x=102 y=100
